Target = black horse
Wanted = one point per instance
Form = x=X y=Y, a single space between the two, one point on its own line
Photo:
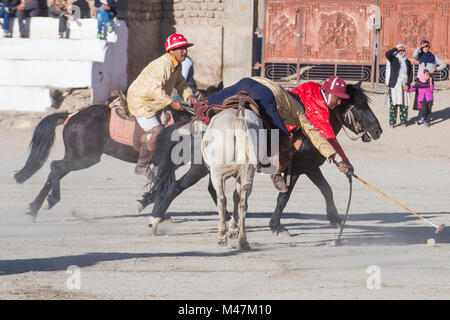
x=86 y=138
x=354 y=113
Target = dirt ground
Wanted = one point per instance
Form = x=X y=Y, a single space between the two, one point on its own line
x=96 y=227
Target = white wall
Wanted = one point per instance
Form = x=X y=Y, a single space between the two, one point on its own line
x=31 y=67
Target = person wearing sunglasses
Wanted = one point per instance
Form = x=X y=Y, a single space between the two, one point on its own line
x=428 y=60
x=399 y=75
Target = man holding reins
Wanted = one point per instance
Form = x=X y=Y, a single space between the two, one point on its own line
x=151 y=91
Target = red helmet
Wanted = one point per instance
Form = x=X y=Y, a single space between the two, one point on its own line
x=336 y=86
x=177 y=41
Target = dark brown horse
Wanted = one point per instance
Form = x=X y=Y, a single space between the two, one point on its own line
x=86 y=138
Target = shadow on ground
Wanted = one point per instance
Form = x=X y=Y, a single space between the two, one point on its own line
x=17 y=266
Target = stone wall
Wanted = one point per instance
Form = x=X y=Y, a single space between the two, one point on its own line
x=150 y=22
x=201 y=21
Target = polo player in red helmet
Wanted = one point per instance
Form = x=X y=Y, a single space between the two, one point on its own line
x=318 y=100
x=151 y=90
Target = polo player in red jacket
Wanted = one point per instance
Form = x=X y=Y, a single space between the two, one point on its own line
x=318 y=100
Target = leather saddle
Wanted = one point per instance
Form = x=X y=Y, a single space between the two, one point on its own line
x=242 y=100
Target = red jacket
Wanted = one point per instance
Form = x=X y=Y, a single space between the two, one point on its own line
x=316 y=110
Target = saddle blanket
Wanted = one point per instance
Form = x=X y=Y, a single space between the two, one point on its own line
x=122 y=130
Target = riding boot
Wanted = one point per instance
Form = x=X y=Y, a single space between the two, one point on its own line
x=143 y=164
x=146 y=153
x=286 y=153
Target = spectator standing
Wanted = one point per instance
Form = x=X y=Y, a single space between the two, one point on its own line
x=428 y=60
x=424 y=86
x=399 y=76
x=104 y=11
x=58 y=9
x=27 y=8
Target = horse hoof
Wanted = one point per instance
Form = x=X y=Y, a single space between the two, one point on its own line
x=32 y=216
x=140 y=206
x=223 y=241
x=244 y=245
x=154 y=223
x=280 y=231
x=335 y=222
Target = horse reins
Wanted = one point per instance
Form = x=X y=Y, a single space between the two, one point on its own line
x=351 y=118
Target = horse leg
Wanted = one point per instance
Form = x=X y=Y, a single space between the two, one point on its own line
x=319 y=180
x=37 y=203
x=195 y=173
x=212 y=191
x=282 y=200
x=247 y=175
x=233 y=230
x=213 y=194
x=219 y=184
x=61 y=168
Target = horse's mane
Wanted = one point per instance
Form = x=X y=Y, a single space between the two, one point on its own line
x=358 y=96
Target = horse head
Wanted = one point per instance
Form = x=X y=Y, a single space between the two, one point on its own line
x=355 y=114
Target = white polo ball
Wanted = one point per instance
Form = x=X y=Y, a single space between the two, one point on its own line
x=431 y=242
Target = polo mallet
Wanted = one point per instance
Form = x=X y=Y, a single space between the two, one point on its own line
x=337 y=242
x=438 y=228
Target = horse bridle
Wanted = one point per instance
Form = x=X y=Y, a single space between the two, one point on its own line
x=352 y=120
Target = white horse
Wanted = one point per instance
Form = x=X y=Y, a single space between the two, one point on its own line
x=230 y=148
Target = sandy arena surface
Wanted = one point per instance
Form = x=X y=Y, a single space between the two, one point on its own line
x=96 y=227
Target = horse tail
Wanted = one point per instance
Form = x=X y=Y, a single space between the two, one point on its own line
x=163 y=166
x=246 y=141
x=41 y=143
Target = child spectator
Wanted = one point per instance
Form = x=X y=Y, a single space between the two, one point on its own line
x=424 y=87
x=104 y=11
x=58 y=9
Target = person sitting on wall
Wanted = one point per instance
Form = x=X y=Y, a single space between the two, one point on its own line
x=7 y=9
x=104 y=11
x=151 y=90
x=58 y=9
x=27 y=8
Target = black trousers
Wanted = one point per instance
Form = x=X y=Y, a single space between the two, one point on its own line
x=425 y=111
